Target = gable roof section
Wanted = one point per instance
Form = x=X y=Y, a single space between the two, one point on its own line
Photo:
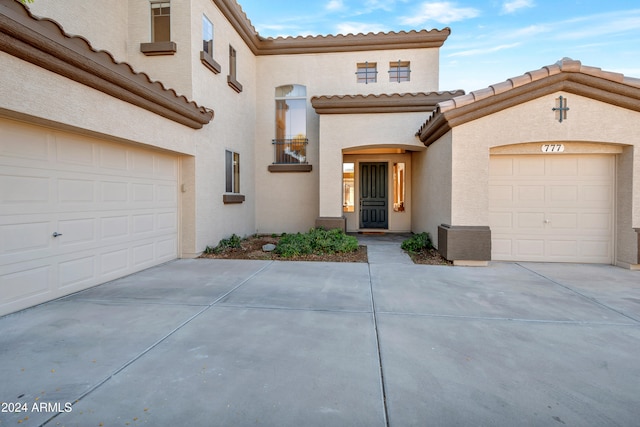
x=324 y=44
x=44 y=43
x=386 y=103
x=565 y=75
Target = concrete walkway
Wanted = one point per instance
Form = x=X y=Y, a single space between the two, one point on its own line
x=384 y=248
x=243 y=343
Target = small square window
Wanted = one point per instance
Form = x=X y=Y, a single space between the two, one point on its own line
x=367 y=72
x=399 y=71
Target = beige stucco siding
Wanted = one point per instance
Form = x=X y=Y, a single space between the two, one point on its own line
x=347 y=131
x=432 y=180
x=533 y=121
x=56 y=100
x=103 y=23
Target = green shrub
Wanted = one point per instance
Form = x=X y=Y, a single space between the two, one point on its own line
x=316 y=241
x=233 y=242
x=418 y=243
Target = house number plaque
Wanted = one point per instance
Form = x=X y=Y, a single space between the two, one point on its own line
x=552 y=148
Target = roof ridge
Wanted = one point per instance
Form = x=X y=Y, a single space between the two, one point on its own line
x=348 y=35
x=389 y=95
x=564 y=65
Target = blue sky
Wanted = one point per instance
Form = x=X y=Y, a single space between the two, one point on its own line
x=490 y=40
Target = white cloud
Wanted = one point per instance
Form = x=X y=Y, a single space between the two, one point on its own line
x=359 y=27
x=443 y=12
x=515 y=5
x=483 y=51
x=334 y=5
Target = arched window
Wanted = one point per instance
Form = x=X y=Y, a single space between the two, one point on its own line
x=291 y=124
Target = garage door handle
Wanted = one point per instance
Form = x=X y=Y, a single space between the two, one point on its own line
x=56 y=234
x=547 y=221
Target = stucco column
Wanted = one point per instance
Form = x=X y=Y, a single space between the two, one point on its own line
x=330 y=176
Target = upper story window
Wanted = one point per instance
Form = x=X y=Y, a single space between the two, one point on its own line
x=206 y=56
x=207 y=36
x=367 y=72
x=161 y=43
x=399 y=71
x=291 y=124
x=160 y=21
x=231 y=78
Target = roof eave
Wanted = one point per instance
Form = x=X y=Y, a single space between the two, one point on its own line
x=44 y=43
x=577 y=83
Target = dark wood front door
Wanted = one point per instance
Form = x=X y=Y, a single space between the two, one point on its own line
x=373 y=195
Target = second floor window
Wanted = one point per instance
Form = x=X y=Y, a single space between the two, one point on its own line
x=291 y=124
x=367 y=72
x=399 y=71
x=160 y=21
x=207 y=36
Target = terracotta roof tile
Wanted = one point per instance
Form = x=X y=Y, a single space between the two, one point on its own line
x=451 y=112
x=483 y=93
x=31 y=37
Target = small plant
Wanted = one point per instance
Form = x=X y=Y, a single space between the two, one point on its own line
x=418 y=243
x=316 y=241
x=209 y=250
x=233 y=242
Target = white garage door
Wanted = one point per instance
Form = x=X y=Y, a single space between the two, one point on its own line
x=114 y=207
x=554 y=208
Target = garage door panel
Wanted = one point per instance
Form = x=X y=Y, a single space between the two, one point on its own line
x=76 y=231
x=30 y=282
x=559 y=222
x=23 y=237
x=20 y=189
x=113 y=157
x=77 y=270
x=116 y=207
x=530 y=220
x=530 y=195
x=561 y=195
x=595 y=248
x=529 y=247
x=561 y=166
x=529 y=166
x=74 y=150
x=501 y=220
x=565 y=214
x=114 y=192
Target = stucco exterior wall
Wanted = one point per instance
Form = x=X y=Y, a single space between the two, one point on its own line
x=432 y=181
x=348 y=131
x=292 y=201
x=103 y=23
x=534 y=121
x=60 y=102
x=233 y=127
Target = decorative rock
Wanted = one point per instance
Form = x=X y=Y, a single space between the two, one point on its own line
x=269 y=247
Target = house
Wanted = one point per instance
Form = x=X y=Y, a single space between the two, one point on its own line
x=137 y=132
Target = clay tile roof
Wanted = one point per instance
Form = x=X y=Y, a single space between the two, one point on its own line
x=565 y=75
x=329 y=43
x=44 y=42
x=384 y=103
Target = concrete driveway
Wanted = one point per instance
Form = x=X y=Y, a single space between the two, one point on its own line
x=242 y=343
